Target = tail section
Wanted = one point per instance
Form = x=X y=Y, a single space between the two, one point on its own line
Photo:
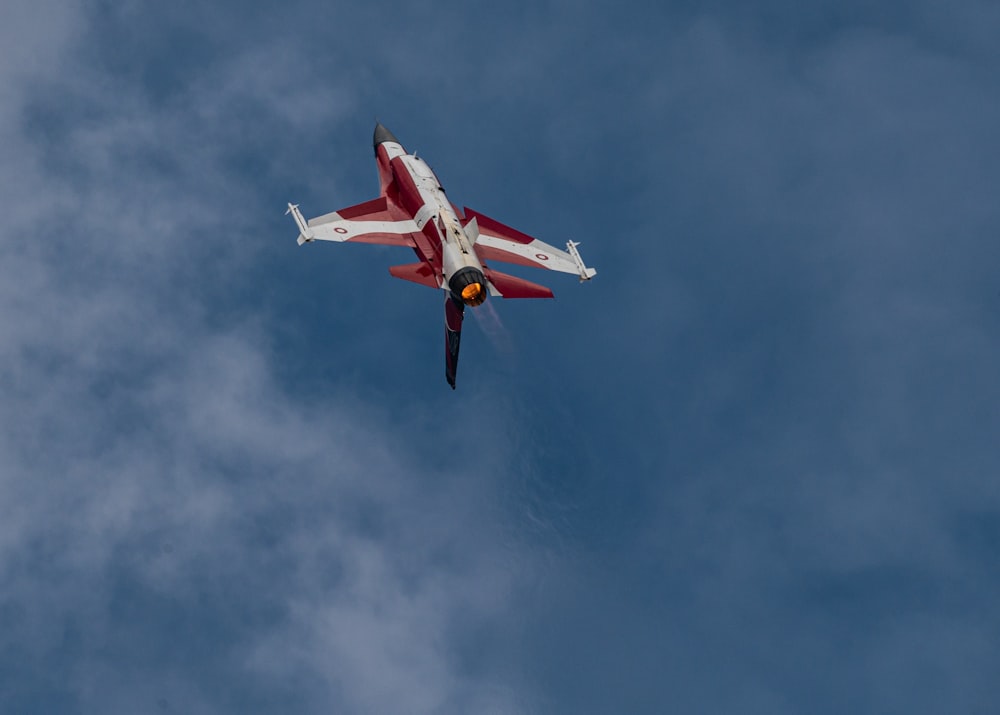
x=454 y=312
x=420 y=272
x=514 y=287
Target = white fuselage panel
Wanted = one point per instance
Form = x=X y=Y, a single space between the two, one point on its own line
x=456 y=248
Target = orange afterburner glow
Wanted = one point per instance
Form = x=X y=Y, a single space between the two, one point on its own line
x=473 y=294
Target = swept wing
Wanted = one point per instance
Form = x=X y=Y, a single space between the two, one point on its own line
x=375 y=221
x=499 y=242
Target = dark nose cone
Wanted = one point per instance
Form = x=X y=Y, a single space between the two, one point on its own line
x=383 y=135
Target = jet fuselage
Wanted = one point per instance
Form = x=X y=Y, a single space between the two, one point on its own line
x=455 y=247
x=443 y=243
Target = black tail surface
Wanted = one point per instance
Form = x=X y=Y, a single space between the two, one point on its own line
x=454 y=312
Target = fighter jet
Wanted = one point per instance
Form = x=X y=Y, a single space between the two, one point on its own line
x=455 y=247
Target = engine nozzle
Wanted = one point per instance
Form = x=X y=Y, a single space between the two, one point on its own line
x=468 y=285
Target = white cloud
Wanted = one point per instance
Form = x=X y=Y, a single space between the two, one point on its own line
x=149 y=454
x=33 y=35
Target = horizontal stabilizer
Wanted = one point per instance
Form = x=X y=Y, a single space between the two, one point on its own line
x=416 y=272
x=514 y=287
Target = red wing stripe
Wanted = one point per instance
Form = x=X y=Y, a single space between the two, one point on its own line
x=495 y=228
x=489 y=253
x=384 y=239
x=368 y=207
x=380 y=209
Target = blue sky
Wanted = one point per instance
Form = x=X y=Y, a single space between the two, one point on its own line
x=750 y=468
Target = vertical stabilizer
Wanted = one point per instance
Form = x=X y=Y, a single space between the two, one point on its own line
x=454 y=312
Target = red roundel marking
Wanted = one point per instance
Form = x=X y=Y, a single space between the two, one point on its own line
x=340 y=229
x=541 y=257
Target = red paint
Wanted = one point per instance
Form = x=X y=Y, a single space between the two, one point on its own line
x=385 y=239
x=493 y=227
x=514 y=287
x=409 y=196
x=384 y=169
x=489 y=253
x=400 y=200
x=420 y=272
x=375 y=206
x=453 y=314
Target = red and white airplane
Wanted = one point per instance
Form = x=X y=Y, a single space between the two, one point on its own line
x=454 y=247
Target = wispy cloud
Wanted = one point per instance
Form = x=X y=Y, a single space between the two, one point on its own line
x=757 y=475
x=179 y=533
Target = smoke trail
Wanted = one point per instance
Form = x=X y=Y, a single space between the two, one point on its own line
x=490 y=323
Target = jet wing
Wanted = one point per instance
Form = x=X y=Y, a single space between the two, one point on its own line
x=497 y=242
x=375 y=221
